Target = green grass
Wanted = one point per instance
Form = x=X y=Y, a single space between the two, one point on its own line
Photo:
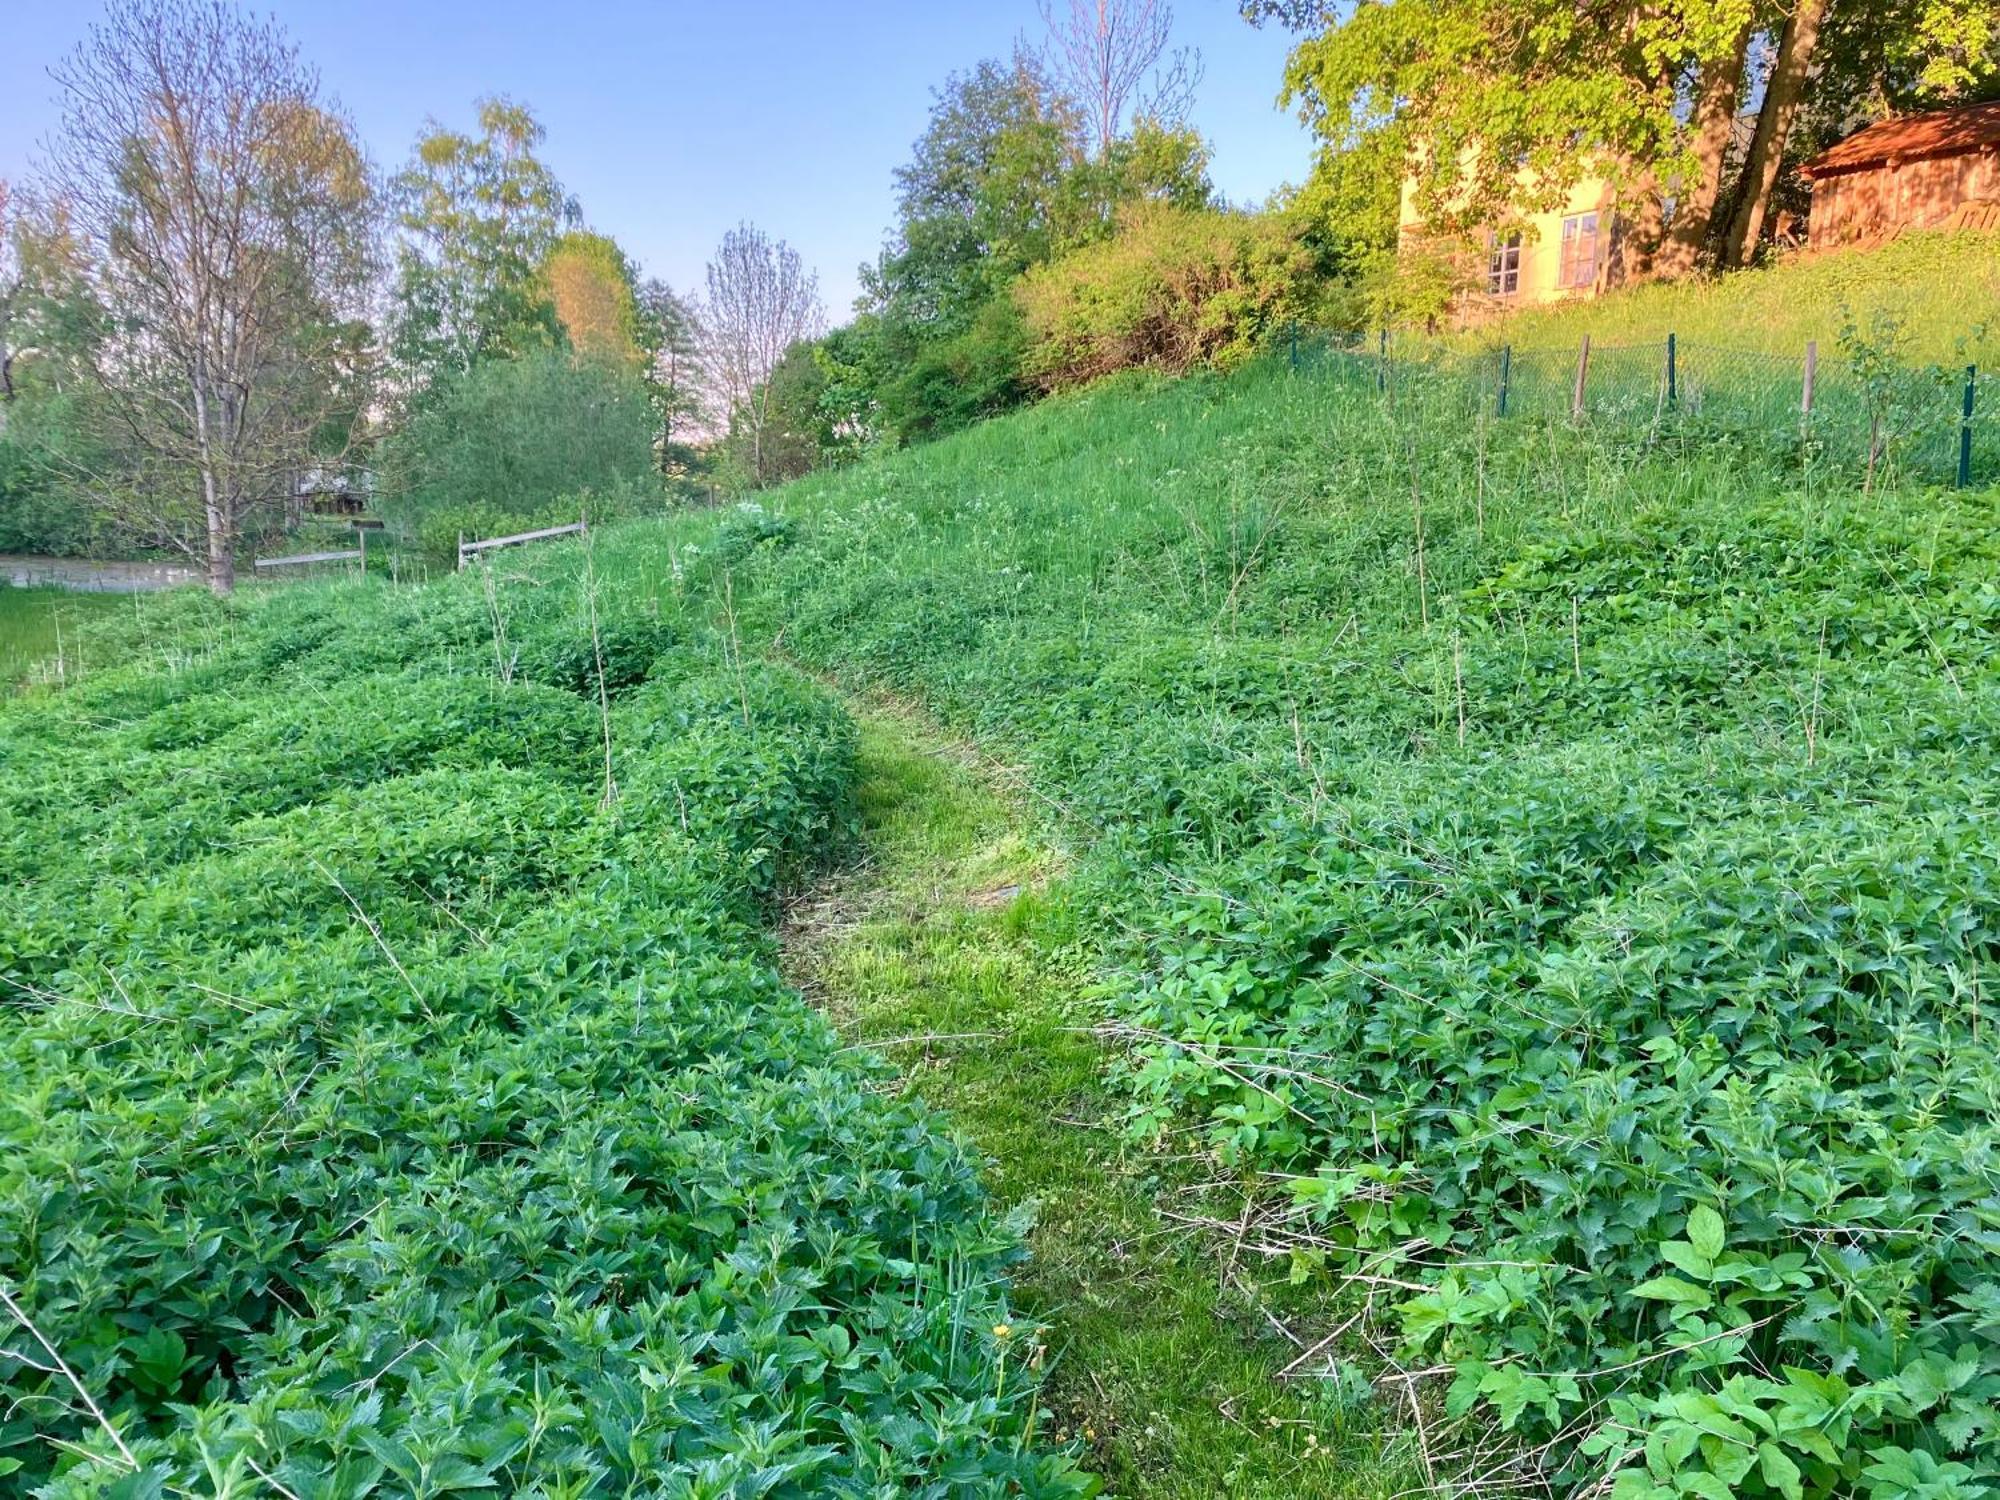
x=952 y=951
x=1543 y=859
x=397 y=1099
x=1939 y=288
x=39 y=631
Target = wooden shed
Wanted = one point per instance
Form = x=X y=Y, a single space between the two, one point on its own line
x=1913 y=172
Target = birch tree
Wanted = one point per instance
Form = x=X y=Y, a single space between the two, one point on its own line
x=222 y=221
x=761 y=301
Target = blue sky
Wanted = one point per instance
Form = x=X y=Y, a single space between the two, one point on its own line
x=671 y=120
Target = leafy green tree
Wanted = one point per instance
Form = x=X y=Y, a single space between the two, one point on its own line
x=1497 y=108
x=1003 y=179
x=675 y=373
x=594 y=292
x=479 y=216
x=510 y=438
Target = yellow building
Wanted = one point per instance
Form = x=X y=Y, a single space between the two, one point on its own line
x=1548 y=257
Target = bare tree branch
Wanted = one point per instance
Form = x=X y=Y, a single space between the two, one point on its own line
x=761 y=301
x=1112 y=56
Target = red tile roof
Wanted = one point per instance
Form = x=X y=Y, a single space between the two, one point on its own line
x=1941 y=132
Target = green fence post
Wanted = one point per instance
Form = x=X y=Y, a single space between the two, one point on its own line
x=1965 y=428
x=1673 y=372
x=1382 y=362
x=1506 y=374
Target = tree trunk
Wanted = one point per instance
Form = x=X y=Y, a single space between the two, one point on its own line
x=221 y=555
x=1636 y=246
x=1782 y=96
x=1714 y=115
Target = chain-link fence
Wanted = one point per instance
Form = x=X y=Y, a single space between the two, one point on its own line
x=1858 y=411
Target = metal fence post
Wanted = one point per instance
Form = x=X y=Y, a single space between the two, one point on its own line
x=1582 y=375
x=1673 y=372
x=1965 y=428
x=1506 y=377
x=1382 y=362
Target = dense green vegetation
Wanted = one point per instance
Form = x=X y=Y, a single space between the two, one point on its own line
x=39 y=629
x=396 y=1097
x=953 y=946
x=1549 y=866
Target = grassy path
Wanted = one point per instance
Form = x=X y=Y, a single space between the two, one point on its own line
x=953 y=931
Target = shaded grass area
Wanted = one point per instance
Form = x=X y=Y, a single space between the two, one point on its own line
x=39 y=635
x=952 y=951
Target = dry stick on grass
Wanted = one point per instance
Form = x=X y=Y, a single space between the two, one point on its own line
x=1417 y=510
x=380 y=942
x=503 y=662
x=1479 y=493
x=597 y=652
x=68 y=1374
x=735 y=642
x=1458 y=679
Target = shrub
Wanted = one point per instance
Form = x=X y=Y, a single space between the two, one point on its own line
x=502 y=444
x=1173 y=289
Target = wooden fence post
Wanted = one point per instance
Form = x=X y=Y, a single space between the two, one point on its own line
x=1582 y=375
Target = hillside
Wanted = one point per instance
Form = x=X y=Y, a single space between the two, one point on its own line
x=1551 y=871
x=1537 y=877
x=393 y=1103
x=1940 y=291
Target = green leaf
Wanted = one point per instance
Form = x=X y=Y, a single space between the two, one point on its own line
x=1779 y=1472
x=1704 y=1232
x=1673 y=1289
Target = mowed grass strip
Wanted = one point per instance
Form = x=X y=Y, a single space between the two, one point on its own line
x=949 y=949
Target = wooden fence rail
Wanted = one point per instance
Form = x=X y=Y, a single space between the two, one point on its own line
x=474 y=549
x=301 y=559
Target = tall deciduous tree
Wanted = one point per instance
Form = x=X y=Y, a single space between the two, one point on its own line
x=761 y=301
x=10 y=295
x=594 y=292
x=1002 y=179
x=478 y=216
x=675 y=372
x=1115 y=60
x=1784 y=92
x=223 y=222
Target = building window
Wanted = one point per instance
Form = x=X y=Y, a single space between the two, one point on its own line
x=1578 y=267
x=1503 y=269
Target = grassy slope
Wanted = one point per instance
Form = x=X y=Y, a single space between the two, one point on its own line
x=1940 y=288
x=1273 y=652
x=39 y=626
x=958 y=933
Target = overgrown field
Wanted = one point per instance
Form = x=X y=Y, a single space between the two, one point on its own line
x=1552 y=868
x=396 y=1096
x=39 y=629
